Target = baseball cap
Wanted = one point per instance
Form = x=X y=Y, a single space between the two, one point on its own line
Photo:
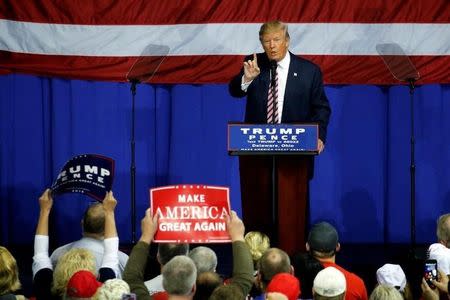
x=82 y=284
x=285 y=284
x=329 y=282
x=323 y=237
x=392 y=275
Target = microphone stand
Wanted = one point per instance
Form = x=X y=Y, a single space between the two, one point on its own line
x=142 y=70
x=401 y=67
x=134 y=82
x=412 y=166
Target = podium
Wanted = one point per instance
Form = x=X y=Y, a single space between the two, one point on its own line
x=275 y=164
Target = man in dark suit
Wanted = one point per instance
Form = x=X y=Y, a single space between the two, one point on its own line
x=300 y=98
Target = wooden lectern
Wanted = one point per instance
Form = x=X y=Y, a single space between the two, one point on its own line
x=275 y=161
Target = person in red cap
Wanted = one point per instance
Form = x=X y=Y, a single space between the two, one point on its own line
x=82 y=285
x=286 y=284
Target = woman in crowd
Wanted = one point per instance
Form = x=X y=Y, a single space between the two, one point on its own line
x=9 y=276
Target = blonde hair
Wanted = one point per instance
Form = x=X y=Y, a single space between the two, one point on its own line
x=273 y=26
x=443 y=230
x=112 y=289
x=258 y=243
x=72 y=261
x=384 y=291
x=9 y=272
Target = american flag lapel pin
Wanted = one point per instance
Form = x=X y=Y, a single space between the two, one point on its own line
x=295 y=74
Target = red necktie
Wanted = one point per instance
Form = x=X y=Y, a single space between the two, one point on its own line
x=272 y=101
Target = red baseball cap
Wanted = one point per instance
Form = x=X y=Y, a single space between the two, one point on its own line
x=82 y=284
x=285 y=284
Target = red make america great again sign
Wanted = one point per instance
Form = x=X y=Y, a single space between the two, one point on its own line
x=191 y=213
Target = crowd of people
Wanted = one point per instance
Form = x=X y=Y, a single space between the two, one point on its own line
x=94 y=268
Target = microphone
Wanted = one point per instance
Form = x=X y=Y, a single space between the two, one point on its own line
x=273 y=69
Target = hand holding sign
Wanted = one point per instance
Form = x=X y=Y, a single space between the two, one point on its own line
x=149 y=226
x=46 y=201
x=109 y=205
x=109 y=202
x=235 y=227
x=45 y=204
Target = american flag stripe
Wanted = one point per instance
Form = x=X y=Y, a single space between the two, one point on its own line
x=207 y=41
x=218 y=39
x=156 y=12
x=337 y=69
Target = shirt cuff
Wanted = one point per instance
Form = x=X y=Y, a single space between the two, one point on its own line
x=245 y=85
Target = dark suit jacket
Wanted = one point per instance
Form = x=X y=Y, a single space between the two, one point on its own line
x=304 y=99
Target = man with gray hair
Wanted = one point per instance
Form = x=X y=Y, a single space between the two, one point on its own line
x=166 y=251
x=205 y=259
x=179 y=276
x=440 y=251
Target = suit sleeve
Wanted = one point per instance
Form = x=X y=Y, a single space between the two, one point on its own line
x=320 y=107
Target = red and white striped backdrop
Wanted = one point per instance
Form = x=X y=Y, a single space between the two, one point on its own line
x=207 y=39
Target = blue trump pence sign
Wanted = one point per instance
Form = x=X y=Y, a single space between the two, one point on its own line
x=272 y=139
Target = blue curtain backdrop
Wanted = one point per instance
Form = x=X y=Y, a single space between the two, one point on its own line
x=361 y=181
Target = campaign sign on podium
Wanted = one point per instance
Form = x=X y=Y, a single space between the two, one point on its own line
x=191 y=213
x=268 y=139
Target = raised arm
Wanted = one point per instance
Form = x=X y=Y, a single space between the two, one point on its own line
x=109 y=205
x=135 y=268
x=42 y=265
x=242 y=258
x=45 y=204
x=111 y=255
x=250 y=70
x=41 y=259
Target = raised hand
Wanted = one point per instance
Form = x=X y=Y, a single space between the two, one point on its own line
x=149 y=226
x=251 y=69
x=235 y=227
x=109 y=202
x=46 y=201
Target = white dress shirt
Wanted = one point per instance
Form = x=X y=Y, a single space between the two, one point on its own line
x=282 y=70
